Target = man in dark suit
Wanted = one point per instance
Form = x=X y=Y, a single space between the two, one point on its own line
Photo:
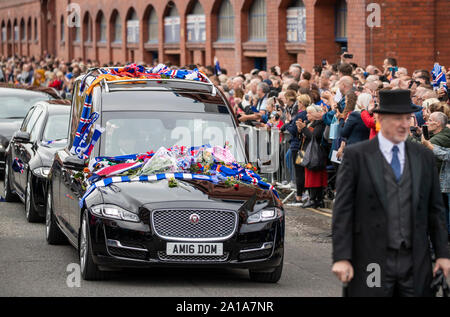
x=388 y=208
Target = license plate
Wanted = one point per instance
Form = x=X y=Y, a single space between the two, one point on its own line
x=194 y=248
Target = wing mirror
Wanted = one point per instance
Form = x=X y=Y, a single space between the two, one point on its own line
x=23 y=137
x=74 y=163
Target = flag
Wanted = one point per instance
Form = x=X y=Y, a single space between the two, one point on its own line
x=439 y=79
x=217 y=69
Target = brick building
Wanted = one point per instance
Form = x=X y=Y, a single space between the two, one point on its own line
x=243 y=34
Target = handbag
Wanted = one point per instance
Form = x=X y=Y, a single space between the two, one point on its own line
x=315 y=157
x=334 y=129
x=300 y=154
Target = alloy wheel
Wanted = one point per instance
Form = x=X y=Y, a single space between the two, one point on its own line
x=6 y=183
x=28 y=199
x=83 y=245
x=48 y=214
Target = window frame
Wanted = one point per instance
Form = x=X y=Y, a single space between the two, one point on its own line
x=150 y=28
x=225 y=22
x=257 y=22
x=341 y=8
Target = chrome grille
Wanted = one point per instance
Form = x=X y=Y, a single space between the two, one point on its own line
x=213 y=224
x=192 y=258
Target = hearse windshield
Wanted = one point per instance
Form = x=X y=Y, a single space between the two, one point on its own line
x=142 y=131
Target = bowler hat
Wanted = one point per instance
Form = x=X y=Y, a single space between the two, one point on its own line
x=397 y=101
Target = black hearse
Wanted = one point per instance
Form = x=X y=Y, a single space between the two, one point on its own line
x=148 y=224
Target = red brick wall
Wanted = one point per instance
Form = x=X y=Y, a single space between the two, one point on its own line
x=406 y=33
x=410 y=31
x=227 y=58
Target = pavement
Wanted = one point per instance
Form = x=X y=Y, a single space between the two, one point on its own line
x=31 y=267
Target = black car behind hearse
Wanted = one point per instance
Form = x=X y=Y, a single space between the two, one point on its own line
x=151 y=223
x=30 y=154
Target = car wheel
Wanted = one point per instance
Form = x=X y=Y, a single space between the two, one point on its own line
x=30 y=210
x=264 y=277
x=9 y=195
x=53 y=234
x=89 y=270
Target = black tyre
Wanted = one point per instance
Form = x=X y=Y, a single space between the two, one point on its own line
x=7 y=192
x=54 y=235
x=264 y=277
x=89 y=270
x=30 y=210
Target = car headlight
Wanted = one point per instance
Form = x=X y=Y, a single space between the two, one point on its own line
x=265 y=215
x=114 y=212
x=41 y=171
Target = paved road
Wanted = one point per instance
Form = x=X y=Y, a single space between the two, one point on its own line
x=30 y=267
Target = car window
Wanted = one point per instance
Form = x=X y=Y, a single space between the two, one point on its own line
x=77 y=107
x=27 y=118
x=56 y=127
x=37 y=128
x=32 y=121
x=16 y=107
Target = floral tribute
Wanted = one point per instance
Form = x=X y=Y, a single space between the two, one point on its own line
x=214 y=164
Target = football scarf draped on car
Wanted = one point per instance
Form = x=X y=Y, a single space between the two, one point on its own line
x=213 y=164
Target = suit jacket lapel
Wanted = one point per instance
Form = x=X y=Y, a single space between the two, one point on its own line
x=374 y=161
x=416 y=170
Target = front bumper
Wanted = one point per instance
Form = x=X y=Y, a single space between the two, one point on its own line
x=120 y=244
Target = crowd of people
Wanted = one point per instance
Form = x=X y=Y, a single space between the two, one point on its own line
x=323 y=110
x=332 y=107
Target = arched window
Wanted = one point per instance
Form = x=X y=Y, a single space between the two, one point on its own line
x=257 y=21
x=296 y=22
x=16 y=31
x=4 y=39
x=341 y=21
x=152 y=27
x=8 y=32
x=23 y=30
x=62 y=30
x=87 y=25
x=225 y=23
x=195 y=24
x=132 y=27
x=172 y=25
x=101 y=22
x=36 y=33
x=117 y=28
x=29 y=30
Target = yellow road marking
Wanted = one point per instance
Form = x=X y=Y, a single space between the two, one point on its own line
x=319 y=212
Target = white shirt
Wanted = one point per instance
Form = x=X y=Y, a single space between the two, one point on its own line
x=386 y=148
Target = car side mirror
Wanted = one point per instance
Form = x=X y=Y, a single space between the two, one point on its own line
x=23 y=137
x=74 y=163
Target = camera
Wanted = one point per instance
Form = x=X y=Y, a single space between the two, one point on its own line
x=348 y=56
